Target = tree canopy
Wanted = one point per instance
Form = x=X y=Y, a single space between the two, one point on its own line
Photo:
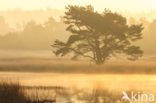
x=98 y=36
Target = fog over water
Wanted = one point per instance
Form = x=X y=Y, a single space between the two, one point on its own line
x=111 y=82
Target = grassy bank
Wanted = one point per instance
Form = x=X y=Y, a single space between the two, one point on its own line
x=142 y=67
x=37 y=61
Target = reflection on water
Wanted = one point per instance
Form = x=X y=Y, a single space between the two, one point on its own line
x=109 y=81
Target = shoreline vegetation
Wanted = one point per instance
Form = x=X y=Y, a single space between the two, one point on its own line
x=14 y=92
x=45 y=61
x=116 y=67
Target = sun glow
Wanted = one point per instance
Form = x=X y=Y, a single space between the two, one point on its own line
x=130 y=5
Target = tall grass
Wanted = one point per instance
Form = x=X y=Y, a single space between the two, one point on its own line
x=14 y=92
x=11 y=92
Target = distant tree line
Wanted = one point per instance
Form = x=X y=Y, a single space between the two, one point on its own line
x=35 y=36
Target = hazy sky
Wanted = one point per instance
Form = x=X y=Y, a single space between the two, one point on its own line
x=131 y=5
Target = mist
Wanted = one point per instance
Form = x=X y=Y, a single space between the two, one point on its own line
x=37 y=29
x=35 y=66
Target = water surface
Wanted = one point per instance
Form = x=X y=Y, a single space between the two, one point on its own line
x=109 y=81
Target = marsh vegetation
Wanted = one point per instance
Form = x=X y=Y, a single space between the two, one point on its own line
x=13 y=92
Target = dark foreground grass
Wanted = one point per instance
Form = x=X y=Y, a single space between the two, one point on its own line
x=13 y=92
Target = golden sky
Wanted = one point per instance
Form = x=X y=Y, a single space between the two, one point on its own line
x=130 y=5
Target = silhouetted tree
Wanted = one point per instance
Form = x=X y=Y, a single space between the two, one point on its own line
x=98 y=36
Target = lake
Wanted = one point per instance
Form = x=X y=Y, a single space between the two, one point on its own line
x=118 y=82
